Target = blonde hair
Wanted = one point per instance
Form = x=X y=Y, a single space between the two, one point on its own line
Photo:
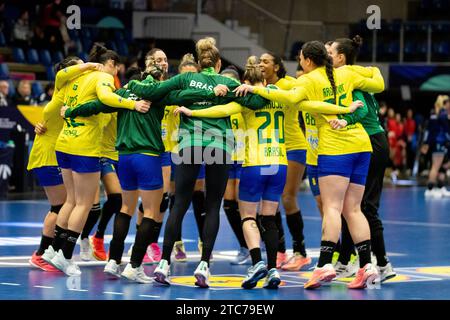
x=188 y=60
x=440 y=100
x=207 y=52
x=253 y=72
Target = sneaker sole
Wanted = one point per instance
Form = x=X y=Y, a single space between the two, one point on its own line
x=161 y=278
x=294 y=268
x=98 y=258
x=372 y=279
x=273 y=283
x=201 y=281
x=112 y=275
x=388 y=277
x=323 y=281
x=136 y=280
x=251 y=283
x=41 y=268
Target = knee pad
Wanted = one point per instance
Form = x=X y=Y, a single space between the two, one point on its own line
x=115 y=200
x=55 y=209
x=248 y=219
x=230 y=205
x=141 y=208
x=164 y=202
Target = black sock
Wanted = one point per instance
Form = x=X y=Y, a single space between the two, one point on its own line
x=281 y=241
x=156 y=232
x=231 y=209
x=142 y=241
x=347 y=247
x=295 y=225
x=92 y=219
x=430 y=185
x=69 y=245
x=363 y=252
x=45 y=243
x=198 y=204
x=121 y=226
x=60 y=238
x=326 y=253
x=440 y=184
x=270 y=238
x=110 y=207
x=255 y=253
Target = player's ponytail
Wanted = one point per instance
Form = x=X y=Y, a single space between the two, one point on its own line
x=349 y=48
x=207 y=52
x=100 y=54
x=188 y=60
x=252 y=72
x=317 y=53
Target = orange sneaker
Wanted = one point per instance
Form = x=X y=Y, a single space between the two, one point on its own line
x=296 y=262
x=98 y=248
x=321 y=276
x=282 y=258
x=38 y=262
x=368 y=275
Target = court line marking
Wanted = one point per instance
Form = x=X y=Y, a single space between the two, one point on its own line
x=148 y=296
x=184 y=299
x=10 y=284
x=44 y=287
x=80 y=290
x=112 y=292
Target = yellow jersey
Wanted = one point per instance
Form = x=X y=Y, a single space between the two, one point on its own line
x=83 y=135
x=43 y=151
x=169 y=129
x=108 y=142
x=295 y=139
x=316 y=86
x=238 y=127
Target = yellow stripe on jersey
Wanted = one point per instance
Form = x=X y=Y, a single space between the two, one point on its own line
x=169 y=129
x=295 y=139
x=82 y=136
x=238 y=127
x=316 y=86
x=108 y=142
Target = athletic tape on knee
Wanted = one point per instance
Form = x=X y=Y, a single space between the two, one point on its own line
x=164 y=202
x=55 y=209
x=247 y=219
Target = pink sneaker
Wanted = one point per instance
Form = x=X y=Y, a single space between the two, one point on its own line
x=282 y=258
x=147 y=259
x=40 y=263
x=154 y=251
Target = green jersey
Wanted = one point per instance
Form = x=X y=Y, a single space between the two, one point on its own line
x=367 y=115
x=139 y=132
x=196 y=131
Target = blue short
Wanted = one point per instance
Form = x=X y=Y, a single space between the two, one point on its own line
x=353 y=165
x=80 y=164
x=297 y=156
x=235 y=171
x=107 y=166
x=313 y=177
x=165 y=159
x=48 y=176
x=262 y=182
x=140 y=171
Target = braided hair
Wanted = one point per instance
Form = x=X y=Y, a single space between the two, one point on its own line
x=317 y=53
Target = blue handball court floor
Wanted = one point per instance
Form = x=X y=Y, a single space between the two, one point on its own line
x=417 y=233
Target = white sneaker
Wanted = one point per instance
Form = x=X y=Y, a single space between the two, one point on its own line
x=386 y=272
x=444 y=192
x=202 y=275
x=66 y=266
x=136 y=274
x=162 y=272
x=85 y=250
x=345 y=271
x=112 y=268
x=49 y=254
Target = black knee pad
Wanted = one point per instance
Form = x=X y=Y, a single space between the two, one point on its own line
x=141 y=208
x=247 y=219
x=55 y=209
x=230 y=204
x=115 y=200
x=164 y=202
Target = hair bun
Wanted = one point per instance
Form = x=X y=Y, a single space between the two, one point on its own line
x=357 y=41
x=252 y=62
x=206 y=43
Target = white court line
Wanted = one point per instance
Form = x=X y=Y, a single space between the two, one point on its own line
x=10 y=284
x=111 y=292
x=44 y=287
x=80 y=290
x=148 y=296
x=184 y=299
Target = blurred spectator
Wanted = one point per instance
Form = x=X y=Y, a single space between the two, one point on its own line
x=23 y=95
x=39 y=41
x=22 y=33
x=51 y=22
x=400 y=144
x=5 y=101
x=47 y=95
x=411 y=138
x=120 y=75
x=2 y=15
x=382 y=114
